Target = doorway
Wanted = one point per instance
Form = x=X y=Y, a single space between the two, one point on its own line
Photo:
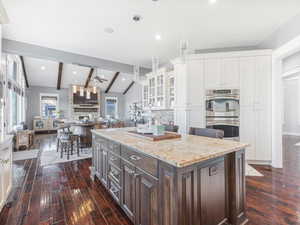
x=279 y=56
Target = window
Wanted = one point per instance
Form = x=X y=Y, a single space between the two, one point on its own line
x=49 y=105
x=12 y=92
x=13 y=108
x=111 y=107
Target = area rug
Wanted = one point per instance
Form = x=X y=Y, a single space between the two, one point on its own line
x=53 y=157
x=250 y=171
x=26 y=154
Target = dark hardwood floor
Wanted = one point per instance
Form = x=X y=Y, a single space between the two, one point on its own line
x=63 y=194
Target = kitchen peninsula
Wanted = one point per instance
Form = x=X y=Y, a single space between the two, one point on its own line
x=191 y=180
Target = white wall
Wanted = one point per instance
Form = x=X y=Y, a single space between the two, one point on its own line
x=291 y=62
x=284 y=34
x=291 y=106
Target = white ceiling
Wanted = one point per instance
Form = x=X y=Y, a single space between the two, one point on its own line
x=78 y=26
x=72 y=74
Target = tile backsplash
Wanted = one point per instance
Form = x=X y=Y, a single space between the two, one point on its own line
x=166 y=116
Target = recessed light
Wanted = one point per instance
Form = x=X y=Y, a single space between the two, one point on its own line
x=136 y=18
x=123 y=79
x=74 y=72
x=43 y=67
x=157 y=37
x=212 y=1
x=108 y=30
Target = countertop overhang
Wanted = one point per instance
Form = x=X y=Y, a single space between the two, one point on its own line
x=181 y=152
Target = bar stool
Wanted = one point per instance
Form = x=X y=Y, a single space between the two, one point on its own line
x=65 y=142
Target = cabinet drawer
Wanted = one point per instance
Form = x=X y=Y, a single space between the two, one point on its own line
x=114 y=147
x=114 y=174
x=114 y=190
x=140 y=160
x=115 y=160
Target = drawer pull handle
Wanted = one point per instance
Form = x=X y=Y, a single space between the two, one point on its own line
x=135 y=157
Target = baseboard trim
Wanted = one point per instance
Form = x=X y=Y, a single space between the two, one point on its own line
x=291 y=134
x=260 y=162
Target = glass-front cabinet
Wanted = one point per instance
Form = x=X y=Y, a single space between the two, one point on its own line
x=158 y=92
x=152 y=83
x=145 y=94
x=160 y=95
x=171 y=102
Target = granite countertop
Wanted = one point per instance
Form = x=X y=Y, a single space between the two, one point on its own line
x=181 y=152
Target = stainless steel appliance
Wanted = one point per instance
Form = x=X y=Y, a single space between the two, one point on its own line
x=223 y=111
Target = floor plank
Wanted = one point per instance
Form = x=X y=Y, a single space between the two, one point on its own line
x=63 y=194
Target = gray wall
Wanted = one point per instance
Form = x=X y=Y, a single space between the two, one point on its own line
x=132 y=96
x=33 y=101
x=21 y=48
x=121 y=103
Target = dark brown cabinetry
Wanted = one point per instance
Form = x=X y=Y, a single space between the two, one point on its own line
x=153 y=192
x=147 y=206
x=128 y=189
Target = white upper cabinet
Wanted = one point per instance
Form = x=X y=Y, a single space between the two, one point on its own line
x=159 y=90
x=195 y=82
x=230 y=75
x=145 y=94
x=247 y=70
x=255 y=102
x=222 y=73
x=212 y=73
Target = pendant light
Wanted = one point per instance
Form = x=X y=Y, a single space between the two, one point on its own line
x=95 y=90
x=74 y=89
x=88 y=93
x=81 y=91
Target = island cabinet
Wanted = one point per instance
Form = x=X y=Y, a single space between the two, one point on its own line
x=152 y=191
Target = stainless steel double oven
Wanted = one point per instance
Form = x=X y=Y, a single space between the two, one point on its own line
x=223 y=111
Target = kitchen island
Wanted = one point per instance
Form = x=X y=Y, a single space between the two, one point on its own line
x=187 y=181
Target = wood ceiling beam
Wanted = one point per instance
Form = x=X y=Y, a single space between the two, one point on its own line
x=128 y=88
x=88 y=79
x=60 y=69
x=24 y=71
x=112 y=82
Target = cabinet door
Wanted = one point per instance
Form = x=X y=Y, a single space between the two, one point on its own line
x=212 y=73
x=262 y=108
x=104 y=166
x=5 y=173
x=247 y=80
x=1 y=184
x=146 y=199
x=145 y=95
x=248 y=130
x=230 y=77
x=263 y=142
x=128 y=189
x=263 y=81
